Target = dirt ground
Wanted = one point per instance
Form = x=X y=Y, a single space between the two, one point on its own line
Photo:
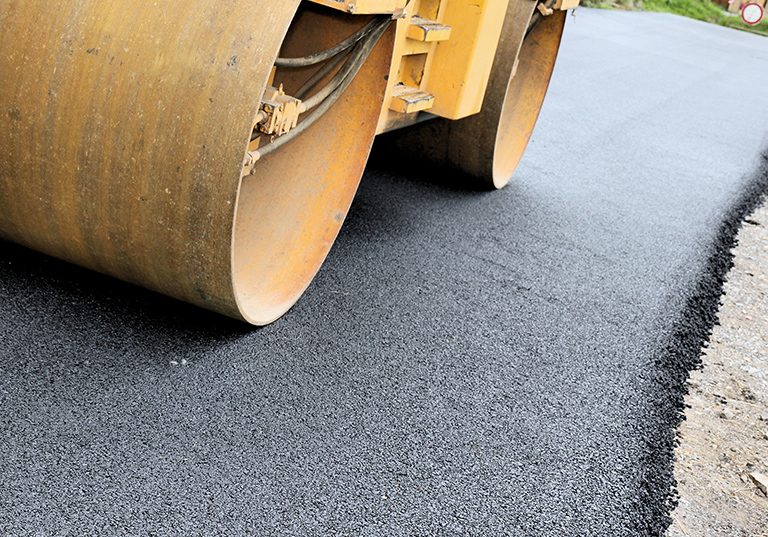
x=724 y=438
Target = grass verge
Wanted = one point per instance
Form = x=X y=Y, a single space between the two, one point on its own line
x=703 y=10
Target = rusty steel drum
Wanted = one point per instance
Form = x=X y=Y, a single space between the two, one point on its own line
x=123 y=131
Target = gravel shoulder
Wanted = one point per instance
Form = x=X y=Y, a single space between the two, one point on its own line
x=724 y=438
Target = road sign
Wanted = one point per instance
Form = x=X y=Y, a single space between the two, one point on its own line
x=752 y=13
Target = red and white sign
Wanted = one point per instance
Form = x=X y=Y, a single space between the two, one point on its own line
x=752 y=13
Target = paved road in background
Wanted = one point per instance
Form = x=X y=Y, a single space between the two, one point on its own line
x=464 y=364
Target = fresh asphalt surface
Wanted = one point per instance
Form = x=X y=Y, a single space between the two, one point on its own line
x=503 y=363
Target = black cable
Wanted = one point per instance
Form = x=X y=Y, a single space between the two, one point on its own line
x=334 y=50
x=337 y=79
x=320 y=74
x=357 y=60
x=333 y=84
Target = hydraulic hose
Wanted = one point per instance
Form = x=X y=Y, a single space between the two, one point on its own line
x=323 y=100
x=318 y=57
x=320 y=74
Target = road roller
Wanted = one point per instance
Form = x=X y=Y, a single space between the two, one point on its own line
x=210 y=150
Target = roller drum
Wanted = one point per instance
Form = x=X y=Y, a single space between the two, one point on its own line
x=123 y=130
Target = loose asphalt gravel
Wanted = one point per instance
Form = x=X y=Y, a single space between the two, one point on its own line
x=506 y=363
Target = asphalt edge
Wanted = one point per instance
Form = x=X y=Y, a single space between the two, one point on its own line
x=682 y=352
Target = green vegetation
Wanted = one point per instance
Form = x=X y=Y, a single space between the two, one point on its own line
x=703 y=10
x=760 y=28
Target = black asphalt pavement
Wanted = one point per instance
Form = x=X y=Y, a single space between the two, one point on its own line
x=499 y=363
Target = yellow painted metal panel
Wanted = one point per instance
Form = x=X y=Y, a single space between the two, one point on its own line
x=365 y=7
x=462 y=65
x=402 y=71
x=566 y=4
x=428 y=31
